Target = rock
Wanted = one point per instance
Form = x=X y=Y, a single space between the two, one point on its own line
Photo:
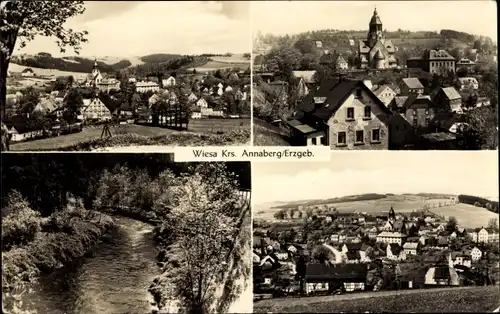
x=160 y=264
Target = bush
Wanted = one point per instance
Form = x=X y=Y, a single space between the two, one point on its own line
x=20 y=223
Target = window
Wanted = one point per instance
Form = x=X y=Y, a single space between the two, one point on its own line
x=314 y=141
x=341 y=138
x=350 y=113
x=359 y=93
x=376 y=135
x=414 y=112
x=368 y=112
x=415 y=122
x=359 y=136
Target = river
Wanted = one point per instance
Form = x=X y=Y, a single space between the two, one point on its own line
x=113 y=279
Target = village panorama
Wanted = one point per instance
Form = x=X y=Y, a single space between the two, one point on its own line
x=378 y=252
x=186 y=89
x=375 y=87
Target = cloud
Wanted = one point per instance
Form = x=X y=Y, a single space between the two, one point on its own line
x=158 y=27
x=378 y=172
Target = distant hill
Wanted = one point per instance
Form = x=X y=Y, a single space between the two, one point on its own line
x=68 y=64
x=408 y=43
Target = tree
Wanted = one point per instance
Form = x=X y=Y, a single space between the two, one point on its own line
x=205 y=223
x=451 y=225
x=493 y=223
x=73 y=102
x=22 y=21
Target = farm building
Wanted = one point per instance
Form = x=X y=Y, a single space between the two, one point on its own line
x=326 y=278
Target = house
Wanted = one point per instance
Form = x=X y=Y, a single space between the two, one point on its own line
x=192 y=98
x=144 y=87
x=448 y=99
x=441 y=275
x=202 y=103
x=196 y=114
x=385 y=94
x=465 y=63
x=338 y=238
x=228 y=89
x=433 y=61
x=418 y=109
x=28 y=72
x=410 y=248
x=170 y=81
x=341 y=63
x=45 y=106
x=395 y=252
x=281 y=255
x=468 y=83
x=391 y=237
x=153 y=100
x=306 y=77
x=411 y=85
x=476 y=254
x=326 y=278
x=342 y=114
x=268 y=259
x=460 y=258
x=376 y=51
x=95 y=109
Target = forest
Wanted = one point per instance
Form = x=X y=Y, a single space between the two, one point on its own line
x=55 y=207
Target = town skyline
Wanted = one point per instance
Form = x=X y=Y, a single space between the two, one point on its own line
x=355 y=15
x=145 y=28
x=361 y=173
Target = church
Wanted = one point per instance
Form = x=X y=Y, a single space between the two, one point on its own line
x=376 y=52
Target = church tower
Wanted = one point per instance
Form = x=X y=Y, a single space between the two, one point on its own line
x=96 y=74
x=375 y=29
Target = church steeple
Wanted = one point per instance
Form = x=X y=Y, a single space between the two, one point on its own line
x=375 y=29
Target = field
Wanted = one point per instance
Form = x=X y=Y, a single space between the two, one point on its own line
x=38 y=71
x=87 y=134
x=468 y=216
x=400 y=203
x=218 y=63
x=439 y=300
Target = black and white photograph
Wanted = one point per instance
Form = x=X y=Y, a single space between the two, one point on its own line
x=375 y=75
x=104 y=233
x=372 y=232
x=104 y=75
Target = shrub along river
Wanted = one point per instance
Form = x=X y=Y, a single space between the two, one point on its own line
x=114 y=277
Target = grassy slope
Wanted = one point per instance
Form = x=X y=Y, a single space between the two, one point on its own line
x=264 y=137
x=468 y=216
x=473 y=299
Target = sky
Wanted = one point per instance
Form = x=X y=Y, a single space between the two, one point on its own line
x=350 y=173
x=282 y=17
x=137 y=28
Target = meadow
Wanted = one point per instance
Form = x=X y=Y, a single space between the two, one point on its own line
x=438 y=300
x=13 y=67
x=468 y=216
x=265 y=137
x=89 y=133
x=221 y=62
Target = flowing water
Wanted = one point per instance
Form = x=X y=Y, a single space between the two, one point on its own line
x=113 y=279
